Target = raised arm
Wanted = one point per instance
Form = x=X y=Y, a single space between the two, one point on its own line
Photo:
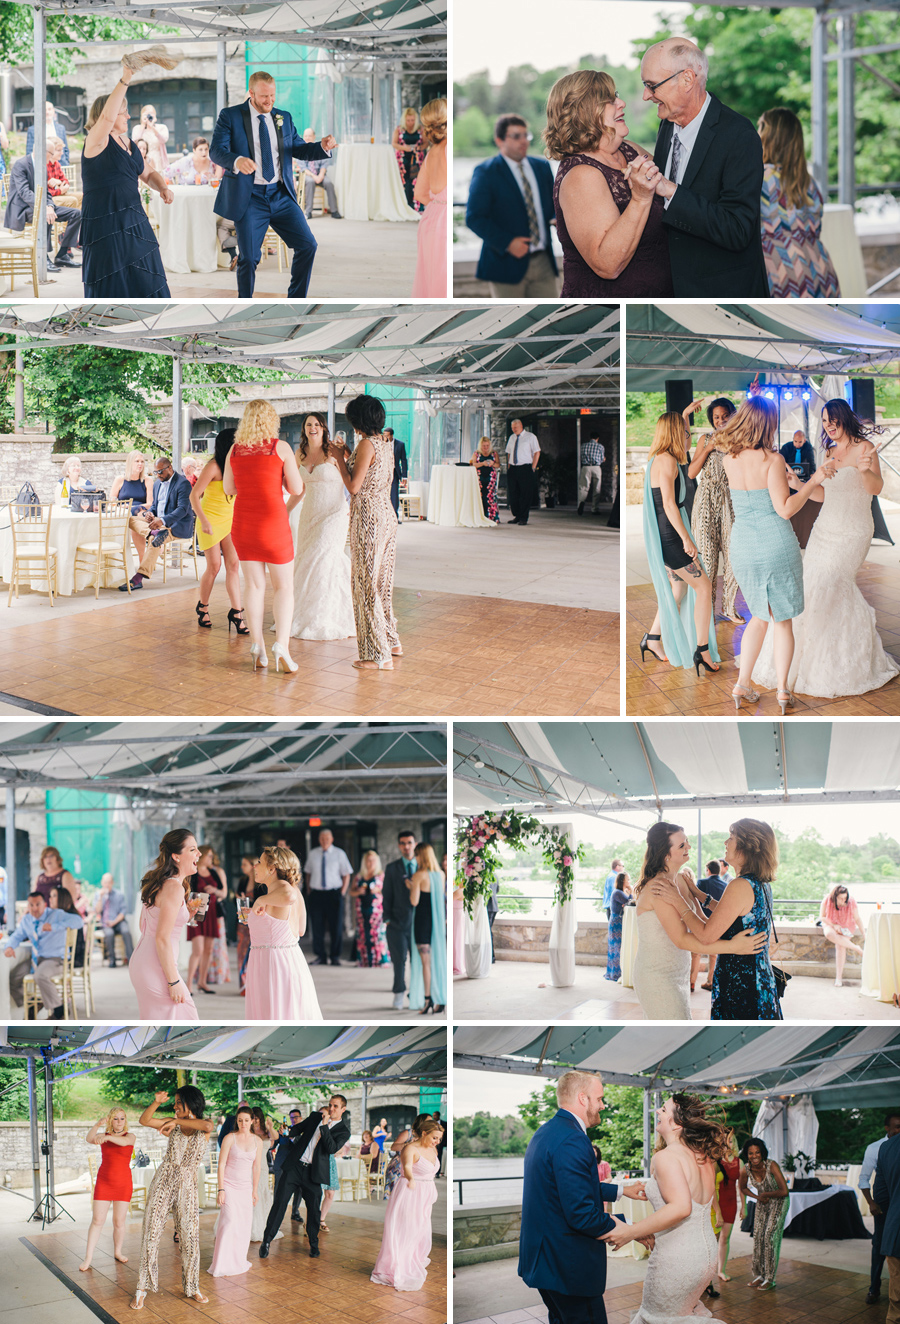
x=98 y=137
x=786 y=503
x=365 y=454
x=148 y=1116
x=869 y=468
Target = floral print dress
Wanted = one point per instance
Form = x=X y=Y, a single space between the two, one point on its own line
x=371 y=943
x=744 y=986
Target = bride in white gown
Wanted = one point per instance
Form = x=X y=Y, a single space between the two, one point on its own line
x=681 y=1187
x=266 y=1135
x=662 y=967
x=323 y=608
x=837 y=648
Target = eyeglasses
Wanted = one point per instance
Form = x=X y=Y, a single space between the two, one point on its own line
x=651 y=87
x=524 y=137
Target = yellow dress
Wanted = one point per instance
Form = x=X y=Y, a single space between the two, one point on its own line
x=219 y=510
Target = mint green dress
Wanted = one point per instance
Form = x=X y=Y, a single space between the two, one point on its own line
x=765 y=557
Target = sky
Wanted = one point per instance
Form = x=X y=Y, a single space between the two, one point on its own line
x=490 y=1092
x=501 y=35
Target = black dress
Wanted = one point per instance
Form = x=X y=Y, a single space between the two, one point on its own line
x=422 y=921
x=673 y=554
x=120 y=253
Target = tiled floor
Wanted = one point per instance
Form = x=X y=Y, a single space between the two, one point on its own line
x=654 y=689
x=463 y=655
x=805 y=1293
x=288 y=1285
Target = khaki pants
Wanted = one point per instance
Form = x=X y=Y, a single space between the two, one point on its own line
x=590 y=476
x=43 y=977
x=893 y=1311
x=151 y=553
x=541 y=282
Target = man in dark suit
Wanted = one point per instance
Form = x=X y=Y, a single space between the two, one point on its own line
x=510 y=207
x=401 y=470
x=562 y=1207
x=20 y=208
x=886 y=1193
x=255 y=144
x=171 y=516
x=398 y=913
x=712 y=161
x=306 y=1169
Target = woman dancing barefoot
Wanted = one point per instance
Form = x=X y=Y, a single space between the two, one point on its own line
x=691 y=1140
x=174 y=1189
x=403 y=1259
x=113 y=1184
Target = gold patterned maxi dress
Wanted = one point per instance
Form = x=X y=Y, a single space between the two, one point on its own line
x=711 y=521
x=174 y=1189
x=373 y=546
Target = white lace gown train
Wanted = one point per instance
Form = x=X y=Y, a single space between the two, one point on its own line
x=682 y=1265
x=323 y=608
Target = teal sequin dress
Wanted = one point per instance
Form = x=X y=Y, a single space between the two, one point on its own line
x=765 y=557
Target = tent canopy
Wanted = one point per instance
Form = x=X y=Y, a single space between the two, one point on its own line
x=727 y=344
x=552 y=353
x=844 y=1067
x=328 y=1055
x=234 y=771
x=595 y=767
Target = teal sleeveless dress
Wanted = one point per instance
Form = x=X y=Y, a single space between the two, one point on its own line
x=765 y=557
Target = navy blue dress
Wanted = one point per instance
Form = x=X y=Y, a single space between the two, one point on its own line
x=120 y=252
x=744 y=986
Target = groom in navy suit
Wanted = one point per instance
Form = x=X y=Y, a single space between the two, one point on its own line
x=255 y=144
x=562 y=1207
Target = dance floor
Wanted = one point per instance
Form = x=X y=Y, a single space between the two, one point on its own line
x=805 y=1292
x=288 y=1285
x=654 y=689
x=463 y=655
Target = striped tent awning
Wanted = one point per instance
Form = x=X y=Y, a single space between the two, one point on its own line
x=843 y=1067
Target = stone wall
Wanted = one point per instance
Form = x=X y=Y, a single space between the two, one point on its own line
x=70 y=1149
x=486 y=1233
x=31 y=457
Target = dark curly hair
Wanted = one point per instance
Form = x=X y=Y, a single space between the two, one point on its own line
x=856 y=428
x=192 y=1099
x=760 y=1145
x=303 y=444
x=720 y=402
x=658 y=846
x=703 y=1126
x=163 y=867
x=366 y=414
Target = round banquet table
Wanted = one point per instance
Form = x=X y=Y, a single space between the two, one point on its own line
x=144 y=1176
x=842 y=244
x=634 y=1211
x=828 y=1215
x=454 y=498
x=628 y=954
x=368 y=184
x=69 y=530
x=8 y=1009
x=187 y=229
x=881 y=956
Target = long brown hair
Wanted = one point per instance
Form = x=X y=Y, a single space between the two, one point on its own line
x=659 y=843
x=782 y=145
x=702 y=1128
x=163 y=867
x=303 y=445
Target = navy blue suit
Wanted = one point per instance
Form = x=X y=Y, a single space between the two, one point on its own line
x=179 y=516
x=562 y=1217
x=886 y=1194
x=496 y=213
x=256 y=207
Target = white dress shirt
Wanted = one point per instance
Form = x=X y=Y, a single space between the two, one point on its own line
x=870 y=1159
x=257 y=154
x=687 y=137
x=620 y=1184
x=337 y=866
x=528 y=447
x=307 y=1155
x=536 y=194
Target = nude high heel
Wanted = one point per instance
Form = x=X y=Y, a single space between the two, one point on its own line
x=281 y=656
x=786 y=702
x=739 y=693
x=258 y=654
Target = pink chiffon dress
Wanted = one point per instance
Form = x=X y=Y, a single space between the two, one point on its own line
x=403 y=1259
x=430 y=281
x=148 y=976
x=235 y=1216
x=459 y=936
x=279 y=984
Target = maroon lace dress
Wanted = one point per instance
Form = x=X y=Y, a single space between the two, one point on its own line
x=648 y=273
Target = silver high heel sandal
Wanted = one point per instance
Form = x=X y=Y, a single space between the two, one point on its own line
x=138 y=1302
x=281 y=656
x=382 y=664
x=786 y=702
x=258 y=653
x=739 y=693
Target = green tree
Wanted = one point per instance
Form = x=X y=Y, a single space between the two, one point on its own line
x=96 y=398
x=17 y=36
x=513 y=902
x=136 y=1086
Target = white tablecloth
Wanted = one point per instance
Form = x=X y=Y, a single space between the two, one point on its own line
x=8 y=1010
x=802 y=1200
x=68 y=532
x=454 y=498
x=368 y=184
x=628 y=954
x=842 y=244
x=633 y=1211
x=881 y=956
x=144 y=1176
x=187 y=229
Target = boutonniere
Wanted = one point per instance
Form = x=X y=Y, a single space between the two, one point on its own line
x=279 y=121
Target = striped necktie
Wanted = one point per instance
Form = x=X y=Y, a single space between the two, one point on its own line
x=676 y=157
x=534 y=230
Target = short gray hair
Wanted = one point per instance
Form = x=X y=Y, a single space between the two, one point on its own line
x=685 y=53
x=573 y=1082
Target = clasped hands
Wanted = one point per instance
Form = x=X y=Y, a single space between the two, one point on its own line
x=622 y=1233
x=644 y=172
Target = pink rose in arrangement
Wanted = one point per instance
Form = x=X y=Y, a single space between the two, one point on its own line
x=567 y=861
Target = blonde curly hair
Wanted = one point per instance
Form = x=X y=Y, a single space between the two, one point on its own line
x=114 y=1112
x=434 y=121
x=259 y=422
x=751 y=428
x=284 y=862
x=575 y=109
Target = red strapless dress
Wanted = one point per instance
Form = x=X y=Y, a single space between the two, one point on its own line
x=114 y=1177
x=260 y=530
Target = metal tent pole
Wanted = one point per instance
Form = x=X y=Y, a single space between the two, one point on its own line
x=48 y=1126
x=646 y=1097
x=331 y=410
x=819 y=79
x=20 y=392
x=11 y=894
x=40 y=131
x=365 y=1101
x=177 y=440
x=221 y=93
x=35 y=1143
x=846 y=112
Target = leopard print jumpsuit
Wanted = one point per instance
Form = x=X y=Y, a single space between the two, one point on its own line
x=711 y=522
x=174 y=1188
x=373 y=546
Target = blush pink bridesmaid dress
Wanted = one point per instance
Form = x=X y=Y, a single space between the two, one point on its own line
x=430 y=280
x=403 y=1259
x=279 y=983
x=235 y=1216
x=148 y=976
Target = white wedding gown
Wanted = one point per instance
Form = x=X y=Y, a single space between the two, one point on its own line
x=323 y=607
x=264 y=1201
x=662 y=972
x=682 y=1265
x=837 y=649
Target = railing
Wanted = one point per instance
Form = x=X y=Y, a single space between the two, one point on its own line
x=461 y=1181
x=787 y=908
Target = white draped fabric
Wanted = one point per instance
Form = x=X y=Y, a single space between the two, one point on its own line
x=802 y=1128
x=187 y=229
x=706 y=757
x=454 y=498
x=368 y=184
x=881 y=956
x=873 y=762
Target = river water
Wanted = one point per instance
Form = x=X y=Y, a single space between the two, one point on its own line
x=505 y=1186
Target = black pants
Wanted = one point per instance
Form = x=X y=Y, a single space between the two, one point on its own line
x=72 y=217
x=492 y=915
x=296 y=1181
x=573 y=1309
x=520 y=490
x=325 y=912
x=395 y=496
x=877 y=1257
x=398 y=941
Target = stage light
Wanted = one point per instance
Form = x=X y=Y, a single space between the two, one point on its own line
x=770 y=394
x=749 y=395
x=806 y=395
x=789 y=395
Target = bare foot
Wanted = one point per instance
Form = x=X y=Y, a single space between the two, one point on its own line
x=123 y=1259
x=726 y=1277
x=84 y=1267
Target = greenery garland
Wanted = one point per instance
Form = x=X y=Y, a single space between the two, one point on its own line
x=478 y=842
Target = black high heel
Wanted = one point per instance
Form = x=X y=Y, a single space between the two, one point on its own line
x=700 y=660
x=236 y=618
x=202 y=610
x=429 y=1006
x=645 y=647
x=439 y=1009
